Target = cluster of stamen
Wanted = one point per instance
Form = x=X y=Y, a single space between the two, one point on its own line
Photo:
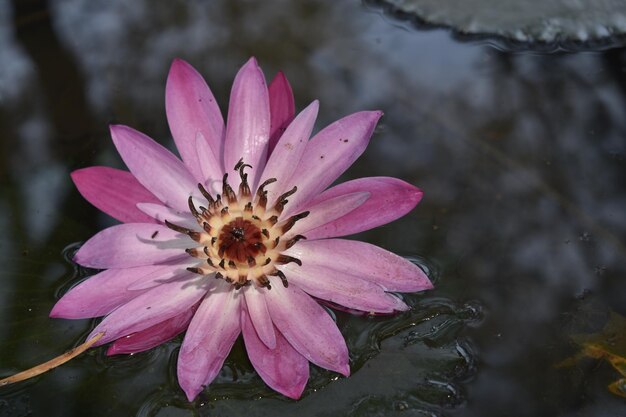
x=240 y=240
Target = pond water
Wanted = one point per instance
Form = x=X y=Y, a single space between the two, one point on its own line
x=521 y=156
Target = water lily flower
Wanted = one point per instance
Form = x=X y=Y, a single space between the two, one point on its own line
x=240 y=236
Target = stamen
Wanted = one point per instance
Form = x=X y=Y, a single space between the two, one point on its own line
x=285 y=259
x=262 y=194
x=278 y=273
x=206 y=194
x=207 y=227
x=192 y=234
x=196 y=270
x=192 y=208
x=294 y=240
x=282 y=200
x=227 y=191
x=251 y=261
x=193 y=252
x=244 y=188
x=263 y=281
x=292 y=221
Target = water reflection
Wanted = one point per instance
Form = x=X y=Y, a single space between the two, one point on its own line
x=520 y=157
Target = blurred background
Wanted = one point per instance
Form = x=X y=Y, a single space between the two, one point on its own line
x=518 y=143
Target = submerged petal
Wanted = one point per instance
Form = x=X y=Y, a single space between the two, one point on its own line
x=390 y=199
x=152 y=307
x=282 y=107
x=193 y=112
x=102 y=293
x=133 y=244
x=307 y=327
x=211 y=334
x=155 y=167
x=152 y=336
x=282 y=368
x=328 y=154
x=248 y=126
x=367 y=261
x=114 y=191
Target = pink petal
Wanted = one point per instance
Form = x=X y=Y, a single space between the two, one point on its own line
x=133 y=244
x=260 y=316
x=152 y=336
x=161 y=213
x=113 y=191
x=286 y=156
x=342 y=288
x=193 y=112
x=152 y=307
x=390 y=199
x=327 y=211
x=328 y=154
x=307 y=327
x=283 y=369
x=212 y=172
x=210 y=336
x=102 y=293
x=155 y=167
x=369 y=262
x=248 y=126
x=282 y=107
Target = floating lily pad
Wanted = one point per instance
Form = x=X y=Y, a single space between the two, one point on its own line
x=523 y=20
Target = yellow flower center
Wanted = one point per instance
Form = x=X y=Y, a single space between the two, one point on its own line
x=241 y=239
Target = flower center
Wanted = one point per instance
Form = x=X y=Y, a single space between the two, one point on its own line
x=241 y=239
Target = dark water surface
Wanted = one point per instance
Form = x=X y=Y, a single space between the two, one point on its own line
x=523 y=226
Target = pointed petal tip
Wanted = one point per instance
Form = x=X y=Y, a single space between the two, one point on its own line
x=118 y=131
x=55 y=313
x=400 y=306
x=179 y=68
x=295 y=392
x=192 y=393
x=252 y=61
x=344 y=370
x=178 y=62
x=416 y=194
